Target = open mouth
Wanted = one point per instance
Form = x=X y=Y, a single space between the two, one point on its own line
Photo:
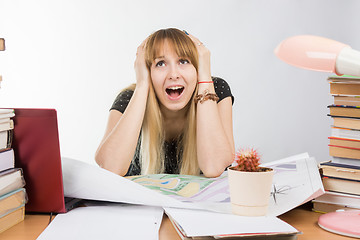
x=175 y=91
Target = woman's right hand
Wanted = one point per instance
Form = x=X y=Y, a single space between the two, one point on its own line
x=118 y=145
x=142 y=72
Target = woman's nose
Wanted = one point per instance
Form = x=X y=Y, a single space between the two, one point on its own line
x=173 y=72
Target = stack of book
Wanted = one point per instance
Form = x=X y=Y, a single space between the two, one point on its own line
x=341 y=176
x=12 y=192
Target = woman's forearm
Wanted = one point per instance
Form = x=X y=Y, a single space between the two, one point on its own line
x=118 y=146
x=215 y=144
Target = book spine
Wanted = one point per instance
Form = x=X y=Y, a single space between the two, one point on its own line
x=339 y=165
x=2 y=44
x=345 y=133
x=353 y=148
x=341 y=185
x=344 y=152
x=345 y=88
x=341 y=173
x=11 y=219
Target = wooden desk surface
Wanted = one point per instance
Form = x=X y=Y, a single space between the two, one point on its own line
x=305 y=221
x=302 y=219
x=30 y=228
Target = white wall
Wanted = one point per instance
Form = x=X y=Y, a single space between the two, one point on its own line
x=75 y=55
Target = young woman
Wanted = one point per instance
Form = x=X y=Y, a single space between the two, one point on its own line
x=176 y=119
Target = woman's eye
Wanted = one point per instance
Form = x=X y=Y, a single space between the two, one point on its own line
x=160 y=64
x=183 y=61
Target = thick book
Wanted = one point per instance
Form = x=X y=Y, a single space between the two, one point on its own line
x=5 y=119
x=347 y=161
x=341 y=185
x=11 y=219
x=7 y=159
x=345 y=88
x=345 y=122
x=345 y=133
x=342 y=199
x=10 y=180
x=6 y=113
x=6 y=125
x=347 y=100
x=328 y=207
x=344 y=111
x=330 y=169
x=12 y=200
x=344 y=142
x=6 y=139
x=344 y=78
x=344 y=152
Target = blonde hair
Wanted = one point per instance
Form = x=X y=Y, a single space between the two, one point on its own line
x=152 y=156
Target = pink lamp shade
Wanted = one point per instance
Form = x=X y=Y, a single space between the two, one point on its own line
x=343 y=222
x=320 y=54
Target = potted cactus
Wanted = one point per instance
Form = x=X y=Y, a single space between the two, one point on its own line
x=250 y=184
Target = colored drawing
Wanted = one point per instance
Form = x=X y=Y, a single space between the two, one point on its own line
x=185 y=187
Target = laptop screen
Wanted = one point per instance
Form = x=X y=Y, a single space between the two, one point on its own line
x=37 y=152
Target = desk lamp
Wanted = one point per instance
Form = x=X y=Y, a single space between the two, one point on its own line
x=322 y=54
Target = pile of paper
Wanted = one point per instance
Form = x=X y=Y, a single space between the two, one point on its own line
x=296 y=181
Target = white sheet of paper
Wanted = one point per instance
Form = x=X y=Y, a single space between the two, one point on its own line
x=296 y=181
x=120 y=221
x=205 y=223
x=85 y=181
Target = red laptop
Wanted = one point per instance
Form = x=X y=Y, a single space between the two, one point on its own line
x=37 y=152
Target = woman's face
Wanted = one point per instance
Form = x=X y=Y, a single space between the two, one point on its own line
x=174 y=78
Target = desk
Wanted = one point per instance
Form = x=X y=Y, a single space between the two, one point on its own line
x=302 y=219
x=28 y=229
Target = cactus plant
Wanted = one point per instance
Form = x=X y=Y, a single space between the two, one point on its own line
x=247 y=160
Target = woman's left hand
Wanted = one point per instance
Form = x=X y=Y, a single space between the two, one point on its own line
x=204 y=70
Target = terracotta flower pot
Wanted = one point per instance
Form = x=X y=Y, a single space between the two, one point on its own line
x=250 y=191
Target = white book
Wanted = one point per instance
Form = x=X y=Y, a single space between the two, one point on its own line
x=347 y=200
x=6 y=113
x=6 y=110
x=7 y=159
x=347 y=161
x=3 y=120
x=3 y=139
x=10 y=180
x=345 y=133
x=4 y=126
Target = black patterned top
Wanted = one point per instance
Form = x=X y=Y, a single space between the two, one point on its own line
x=222 y=89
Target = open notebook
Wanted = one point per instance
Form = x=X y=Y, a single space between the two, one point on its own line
x=37 y=152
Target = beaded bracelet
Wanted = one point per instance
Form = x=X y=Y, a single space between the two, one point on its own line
x=206 y=96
